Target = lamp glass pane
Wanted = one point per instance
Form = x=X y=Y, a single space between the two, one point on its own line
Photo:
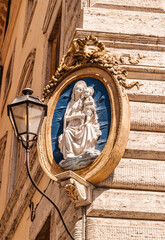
x=20 y=117
x=36 y=115
x=12 y=122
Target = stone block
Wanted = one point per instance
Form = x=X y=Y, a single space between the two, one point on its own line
x=150 y=91
x=149 y=58
x=146 y=145
x=137 y=174
x=149 y=4
x=127 y=204
x=121 y=229
x=147 y=116
x=127 y=22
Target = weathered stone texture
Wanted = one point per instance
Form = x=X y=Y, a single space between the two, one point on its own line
x=147 y=145
x=137 y=174
x=72 y=20
x=117 y=229
x=127 y=204
x=107 y=37
x=147 y=116
x=45 y=208
x=150 y=91
x=132 y=28
x=149 y=58
x=149 y=4
x=18 y=202
x=119 y=21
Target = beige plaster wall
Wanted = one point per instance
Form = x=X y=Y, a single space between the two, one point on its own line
x=20 y=56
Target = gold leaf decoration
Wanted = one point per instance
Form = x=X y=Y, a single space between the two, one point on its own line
x=81 y=53
x=71 y=190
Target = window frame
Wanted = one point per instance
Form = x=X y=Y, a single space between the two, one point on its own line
x=6 y=86
x=28 y=17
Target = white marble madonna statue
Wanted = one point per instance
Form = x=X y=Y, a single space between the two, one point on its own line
x=81 y=128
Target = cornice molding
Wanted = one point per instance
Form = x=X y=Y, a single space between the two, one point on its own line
x=121 y=37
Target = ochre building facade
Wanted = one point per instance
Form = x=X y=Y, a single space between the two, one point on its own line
x=130 y=203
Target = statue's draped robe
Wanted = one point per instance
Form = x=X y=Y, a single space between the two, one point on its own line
x=77 y=138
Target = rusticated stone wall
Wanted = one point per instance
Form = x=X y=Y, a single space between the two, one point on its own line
x=129 y=203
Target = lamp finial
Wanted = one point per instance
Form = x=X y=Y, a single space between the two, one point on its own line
x=27 y=91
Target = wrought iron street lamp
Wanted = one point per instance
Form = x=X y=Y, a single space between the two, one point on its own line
x=26 y=114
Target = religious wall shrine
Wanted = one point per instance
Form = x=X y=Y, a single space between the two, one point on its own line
x=98 y=161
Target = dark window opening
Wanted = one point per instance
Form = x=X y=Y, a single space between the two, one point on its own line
x=8 y=78
x=1 y=73
x=7 y=18
x=44 y=234
x=54 y=44
x=8 y=81
x=29 y=9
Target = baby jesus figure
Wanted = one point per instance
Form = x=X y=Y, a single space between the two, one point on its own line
x=89 y=108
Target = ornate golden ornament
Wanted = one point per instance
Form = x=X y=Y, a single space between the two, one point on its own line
x=96 y=68
x=80 y=53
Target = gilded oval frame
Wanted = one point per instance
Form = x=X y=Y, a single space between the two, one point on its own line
x=116 y=143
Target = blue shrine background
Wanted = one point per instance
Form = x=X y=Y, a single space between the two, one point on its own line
x=103 y=110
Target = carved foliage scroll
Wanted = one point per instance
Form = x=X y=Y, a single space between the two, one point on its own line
x=91 y=51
